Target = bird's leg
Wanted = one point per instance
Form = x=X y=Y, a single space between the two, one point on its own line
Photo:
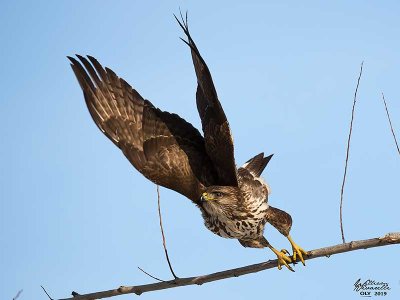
x=298 y=252
x=283 y=258
x=262 y=242
x=282 y=221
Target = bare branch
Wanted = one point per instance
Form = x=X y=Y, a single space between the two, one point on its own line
x=388 y=239
x=390 y=123
x=164 y=243
x=17 y=295
x=347 y=152
x=162 y=233
x=46 y=292
x=148 y=274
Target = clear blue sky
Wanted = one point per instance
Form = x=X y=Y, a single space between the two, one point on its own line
x=75 y=215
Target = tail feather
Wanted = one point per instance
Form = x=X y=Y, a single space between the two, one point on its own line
x=257 y=164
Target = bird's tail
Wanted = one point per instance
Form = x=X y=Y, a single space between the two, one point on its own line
x=257 y=164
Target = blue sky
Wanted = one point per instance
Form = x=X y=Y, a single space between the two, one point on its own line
x=75 y=215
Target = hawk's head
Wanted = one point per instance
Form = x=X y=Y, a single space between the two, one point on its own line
x=221 y=199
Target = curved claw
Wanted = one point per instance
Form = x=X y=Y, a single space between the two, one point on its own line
x=298 y=252
x=283 y=259
x=284 y=251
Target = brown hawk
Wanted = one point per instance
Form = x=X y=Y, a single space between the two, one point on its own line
x=172 y=153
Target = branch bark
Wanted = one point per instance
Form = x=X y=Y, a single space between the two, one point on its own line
x=388 y=239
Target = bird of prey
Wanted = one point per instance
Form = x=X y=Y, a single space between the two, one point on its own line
x=172 y=153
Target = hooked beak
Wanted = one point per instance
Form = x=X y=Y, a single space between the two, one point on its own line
x=205 y=197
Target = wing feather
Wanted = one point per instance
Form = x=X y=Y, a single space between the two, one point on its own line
x=163 y=147
x=217 y=134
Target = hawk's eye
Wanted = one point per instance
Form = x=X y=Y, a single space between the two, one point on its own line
x=218 y=194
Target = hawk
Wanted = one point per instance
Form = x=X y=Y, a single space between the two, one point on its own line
x=170 y=152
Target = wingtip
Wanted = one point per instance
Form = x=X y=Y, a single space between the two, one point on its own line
x=90 y=57
x=72 y=59
x=186 y=42
x=267 y=159
x=93 y=60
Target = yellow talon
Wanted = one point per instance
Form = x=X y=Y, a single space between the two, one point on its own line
x=297 y=251
x=283 y=259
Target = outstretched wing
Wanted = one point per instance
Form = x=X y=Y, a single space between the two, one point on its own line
x=162 y=146
x=217 y=134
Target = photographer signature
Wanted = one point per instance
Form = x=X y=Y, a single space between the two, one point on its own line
x=371 y=287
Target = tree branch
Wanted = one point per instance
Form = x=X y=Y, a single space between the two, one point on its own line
x=164 y=242
x=18 y=294
x=47 y=292
x=388 y=239
x=348 y=151
x=162 y=234
x=390 y=123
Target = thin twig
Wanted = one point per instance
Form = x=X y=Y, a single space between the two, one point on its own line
x=390 y=123
x=148 y=274
x=388 y=239
x=347 y=151
x=17 y=295
x=162 y=233
x=46 y=293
